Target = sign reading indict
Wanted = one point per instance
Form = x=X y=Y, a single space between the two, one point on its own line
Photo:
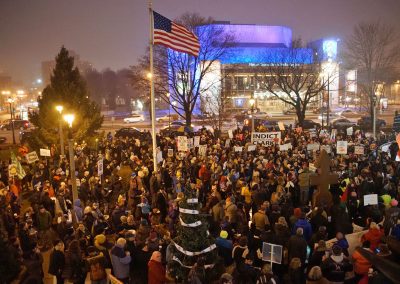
x=32 y=157
x=45 y=152
x=266 y=138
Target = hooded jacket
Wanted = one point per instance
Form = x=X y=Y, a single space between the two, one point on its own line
x=120 y=262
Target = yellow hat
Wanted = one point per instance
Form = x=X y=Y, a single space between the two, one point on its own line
x=223 y=234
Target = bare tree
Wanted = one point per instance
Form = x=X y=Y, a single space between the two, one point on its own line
x=373 y=49
x=182 y=75
x=293 y=79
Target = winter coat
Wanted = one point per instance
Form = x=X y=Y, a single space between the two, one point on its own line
x=78 y=210
x=282 y=234
x=231 y=213
x=260 y=219
x=361 y=264
x=44 y=220
x=224 y=247
x=335 y=267
x=297 y=247
x=307 y=230
x=120 y=262
x=156 y=274
x=57 y=262
x=373 y=236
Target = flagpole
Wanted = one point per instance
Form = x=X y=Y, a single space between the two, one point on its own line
x=152 y=100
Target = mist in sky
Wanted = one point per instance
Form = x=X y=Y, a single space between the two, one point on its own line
x=114 y=33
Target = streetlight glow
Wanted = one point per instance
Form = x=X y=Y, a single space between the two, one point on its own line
x=59 y=108
x=6 y=92
x=20 y=92
x=10 y=100
x=69 y=118
x=149 y=75
x=252 y=101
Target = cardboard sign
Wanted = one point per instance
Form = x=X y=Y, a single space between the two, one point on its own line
x=327 y=148
x=32 y=157
x=272 y=253
x=100 y=167
x=230 y=133
x=45 y=152
x=341 y=147
x=370 y=199
x=238 y=148
x=285 y=147
x=313 y=147
x=251 y=148
x=190 y=143
x=349 y=131
x=170 y=152
x=266 y=138
x=12 y=170
x=196 y=141
x=281 y=126
x=203 y=150
x=359 y=150
x=182 y=143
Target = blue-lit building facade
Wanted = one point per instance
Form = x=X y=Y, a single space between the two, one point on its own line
x=256 y=45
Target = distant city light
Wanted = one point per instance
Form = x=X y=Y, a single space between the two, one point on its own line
x=39 y=81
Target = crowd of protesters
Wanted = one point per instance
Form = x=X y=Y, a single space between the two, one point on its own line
x=124 y=219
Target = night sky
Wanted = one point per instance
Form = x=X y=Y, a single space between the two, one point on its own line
x=114 y=33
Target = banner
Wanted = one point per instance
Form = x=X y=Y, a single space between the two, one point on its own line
x=196 y=141
x=341 y=147
x=32 y=157
x=182 y=143
x=359 y=150
x=266 y=138
x=45 y=152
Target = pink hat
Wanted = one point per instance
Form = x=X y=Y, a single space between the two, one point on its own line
x=394 y=203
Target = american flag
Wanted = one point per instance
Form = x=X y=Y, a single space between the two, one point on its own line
x=174 y=36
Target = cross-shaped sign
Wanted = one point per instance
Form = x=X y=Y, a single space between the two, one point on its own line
x=323 y=180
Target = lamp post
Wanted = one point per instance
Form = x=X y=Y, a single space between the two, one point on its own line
x=11 y=101
x=252 y=101
x=69 y=118
x=60 y=108
x=374 y=100
x=169 y=110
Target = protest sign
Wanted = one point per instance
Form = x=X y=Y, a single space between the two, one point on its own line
x=266 y=138
x=281 y=126
x=285 y=147
x=359 y=150
x=182 y=143
x=349 y=131
x=327 y=148
x=32 y=157
x=190 y=143
x=170 y=152
x=341 y=147
x=251 y=148
x=333 y=134
x=203 y=150
x=45 y=152
x=230 y=133
x=272 y=253
x=100 y=167
x=227 y=143
x=159 y=155
x=370 y=199
x=196 y=141
x=313 y=147
x=238 y=149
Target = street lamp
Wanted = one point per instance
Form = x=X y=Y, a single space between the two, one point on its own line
x=11 y=101
x=252 y=102
x=69 y=118
x=60 y=108
x=169 y=110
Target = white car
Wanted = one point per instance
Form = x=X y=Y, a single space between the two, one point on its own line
x=134 y=118
x=167 y=118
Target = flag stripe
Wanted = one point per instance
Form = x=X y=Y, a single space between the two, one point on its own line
x=160 y=33
x=174 y=36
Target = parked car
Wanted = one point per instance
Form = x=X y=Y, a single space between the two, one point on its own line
x=134 y=118
x=132 y=132
x=3 y=139
x=343 y=123
x=18 y=124
x=321 y=110
x=261 y=115
x=309 y=124
x=291 y=110
x=366 y=123
x=167 y=118
x=332 y=117
x=349 y=113
x=25 y=137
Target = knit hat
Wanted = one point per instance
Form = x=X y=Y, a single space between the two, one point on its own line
x=394 y=203
x=100 y=239
x=297 y=212
x=223 y=234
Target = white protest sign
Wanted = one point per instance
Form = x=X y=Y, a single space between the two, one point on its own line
x=370 y=199
x=333 y=134
x=266 y=138
x=327 y=148
x=349 y=131
x=251 y=148
x=312 y=167
x=227 y=143
x=230 y=133
x=170 y=152
x=100 y=167
x=281 y=126
x=313 y=147
x=285 y=147
x=45 y=152
x=32 y=157
x=203 y=150
x=238 y=149
x=159 y=155
x=272 y=253
x=341 y=147
x=196 y=141
x=182 y=143
x=190 y=143
x=359 y=150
